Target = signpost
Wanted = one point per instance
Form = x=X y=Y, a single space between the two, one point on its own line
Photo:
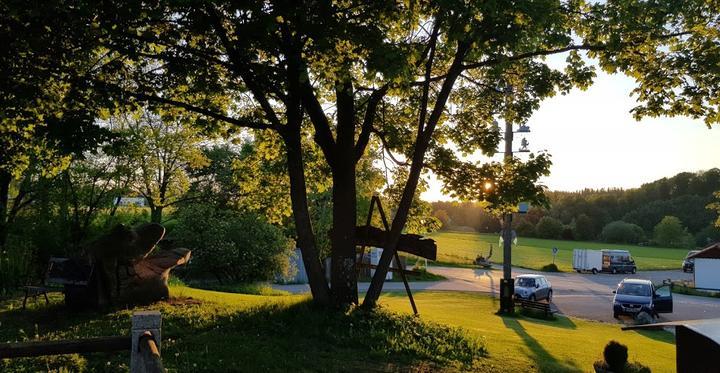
x=555 y=251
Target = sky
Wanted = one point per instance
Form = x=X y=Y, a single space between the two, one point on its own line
x=596 y=143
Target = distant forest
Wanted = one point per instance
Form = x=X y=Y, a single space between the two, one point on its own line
x=667 y=212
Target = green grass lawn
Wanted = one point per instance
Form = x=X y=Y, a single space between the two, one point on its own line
x=461 y=248
x=522 y=344
x=213 y=331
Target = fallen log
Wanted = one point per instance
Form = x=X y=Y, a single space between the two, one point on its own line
x=408 y=243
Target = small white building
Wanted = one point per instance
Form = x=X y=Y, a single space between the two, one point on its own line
x=707 y=267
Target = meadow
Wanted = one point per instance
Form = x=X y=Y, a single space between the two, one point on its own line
x=461 y=248
x=214 y=331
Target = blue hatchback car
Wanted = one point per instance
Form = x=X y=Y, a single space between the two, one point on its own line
x=635 y=295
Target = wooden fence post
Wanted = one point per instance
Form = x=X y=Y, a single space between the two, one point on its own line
x=143 y=321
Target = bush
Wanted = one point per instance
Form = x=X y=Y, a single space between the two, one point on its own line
x=584 y=228
x=707 y=236
x=622 y=232
x=15 y=264
x=548 y=227
x=552 y=267
x=228 y=244
x=128 y=215
x=670 y=232
x=525 y=228
x=567 y=233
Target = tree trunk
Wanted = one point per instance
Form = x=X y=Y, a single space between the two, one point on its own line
x=344 y=196
x=296 y=172
x=344 y=273
x=303 y=224
x=156 y=214
x=422 y=142
x=5 y=179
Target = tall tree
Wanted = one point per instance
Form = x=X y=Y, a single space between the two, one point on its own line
x=716 y=206
x=390 y=71
x=47 y=110
x=670 y=232
x=163 y=150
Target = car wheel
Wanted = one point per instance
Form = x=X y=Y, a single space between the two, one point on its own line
x=579 y=271
x=615 y=315
x=549 y=297
x=594 y=271
x=634 y=270
x=614 y=271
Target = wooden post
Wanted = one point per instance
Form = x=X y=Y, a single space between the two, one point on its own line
x=142 y=322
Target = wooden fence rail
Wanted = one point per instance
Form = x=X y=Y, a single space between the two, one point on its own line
x=143 y=343
x=76 y=346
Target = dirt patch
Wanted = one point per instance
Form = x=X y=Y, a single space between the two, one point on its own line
x=182 y=301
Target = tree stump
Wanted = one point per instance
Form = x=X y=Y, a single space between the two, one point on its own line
x=124 y=271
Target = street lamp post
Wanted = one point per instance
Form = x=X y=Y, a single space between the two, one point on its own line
x=507 y=283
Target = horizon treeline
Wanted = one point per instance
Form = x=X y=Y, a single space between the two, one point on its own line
x=671 y=211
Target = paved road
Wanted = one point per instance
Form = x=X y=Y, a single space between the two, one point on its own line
x=582 y=295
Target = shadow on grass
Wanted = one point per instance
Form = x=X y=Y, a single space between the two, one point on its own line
x=543 y=358
x=658 y=335
x=265 y=337
x=555 y=321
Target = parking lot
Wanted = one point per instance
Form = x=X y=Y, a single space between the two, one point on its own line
x=582 y=295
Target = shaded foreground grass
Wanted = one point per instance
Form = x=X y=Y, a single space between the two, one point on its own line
x=212 y=331
x=517 y=344
x=534 y=253
x=218 y=332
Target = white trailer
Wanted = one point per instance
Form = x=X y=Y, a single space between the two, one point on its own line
x=587 y=260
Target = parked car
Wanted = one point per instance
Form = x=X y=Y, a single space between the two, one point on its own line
x=533 y=287
x=606 y=260
x=689 y=263
x=635 y=295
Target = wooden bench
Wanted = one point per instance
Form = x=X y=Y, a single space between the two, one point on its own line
x=35 y=291
x=543 y=307
x=60 y=272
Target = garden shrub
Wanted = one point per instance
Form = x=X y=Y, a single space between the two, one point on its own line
x=548 y=227
x=15 y=264
x=229 y=244
x=552 y=267
x=622 y=232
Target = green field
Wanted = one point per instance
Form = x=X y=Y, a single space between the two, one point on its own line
x=462 y=248
x=212 y=331
x=525 y=344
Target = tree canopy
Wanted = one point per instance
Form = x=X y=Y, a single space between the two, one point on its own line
x=425 y=82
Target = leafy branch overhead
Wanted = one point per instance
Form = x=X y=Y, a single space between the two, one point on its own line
x=425 y=82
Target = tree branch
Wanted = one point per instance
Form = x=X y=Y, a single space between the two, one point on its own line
x=369 y=118
x=242 y=67
x=323 y=134
x=240 y=122
x=538 y=53
x=428 y=72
